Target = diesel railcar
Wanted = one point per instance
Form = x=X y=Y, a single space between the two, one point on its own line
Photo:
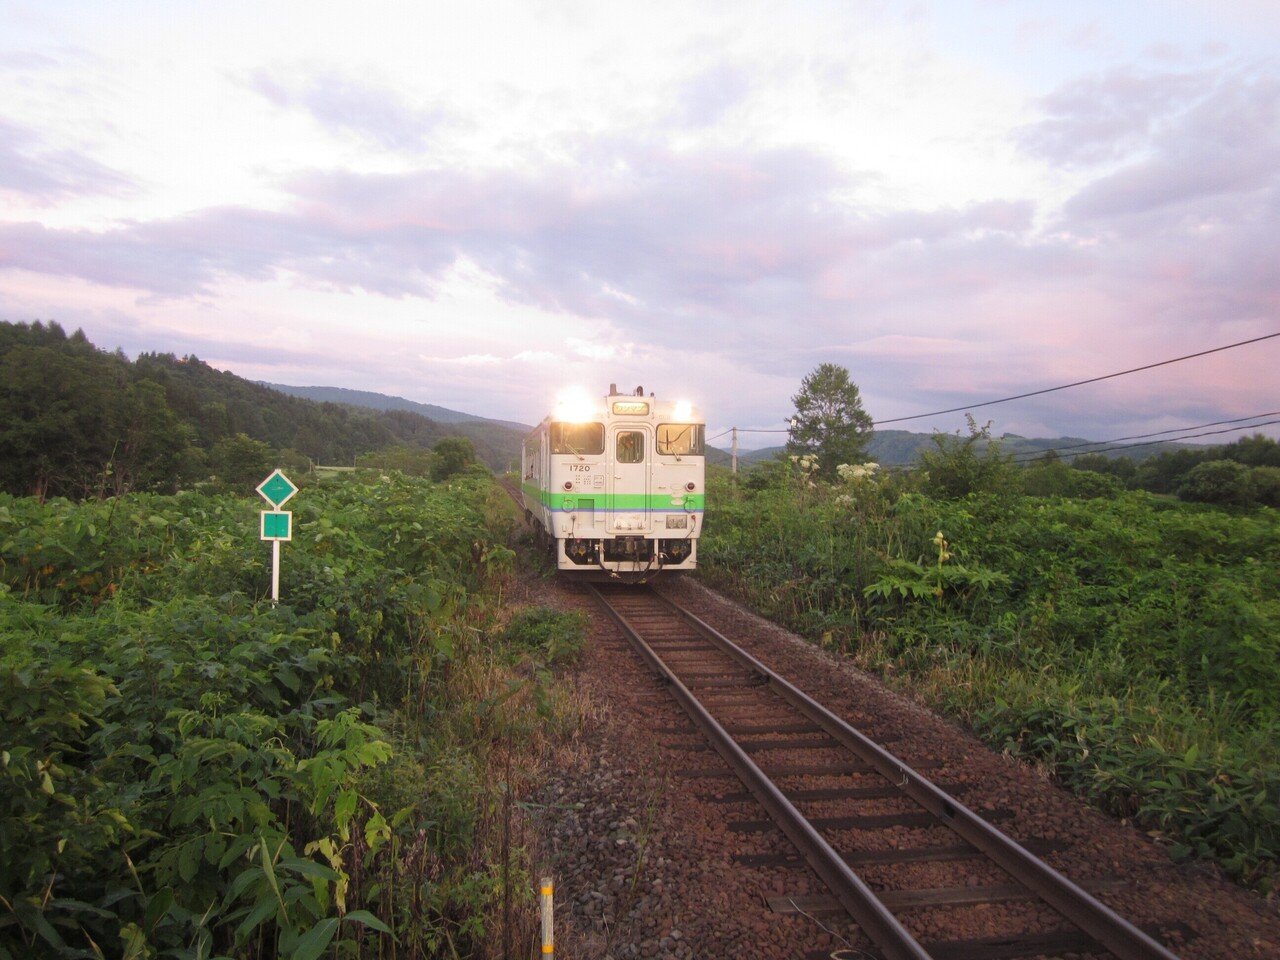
x=616 y=487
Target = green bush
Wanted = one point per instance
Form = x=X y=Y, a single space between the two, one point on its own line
x=958 y=466
x=552 y=634
x=1264 y=486
x=1056 y=479
x=1217 y=481
x=451 y=456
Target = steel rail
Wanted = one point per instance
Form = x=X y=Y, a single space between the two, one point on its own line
x=849 y=889
x=1092 y=916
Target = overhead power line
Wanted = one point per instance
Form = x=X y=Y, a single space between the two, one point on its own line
x=1151 y=443
x=1035 y=393
x=1142 y=436
x=1076 y=383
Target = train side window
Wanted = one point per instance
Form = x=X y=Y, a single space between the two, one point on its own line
x=584 y=439
x=680 y=439
x=630 y=447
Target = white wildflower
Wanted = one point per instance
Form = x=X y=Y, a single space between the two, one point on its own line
x=851 y=472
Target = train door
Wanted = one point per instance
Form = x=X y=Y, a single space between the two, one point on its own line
x=629 y=456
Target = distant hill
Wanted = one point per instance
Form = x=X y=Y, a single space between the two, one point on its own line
x=899 y=448
x=382 y=401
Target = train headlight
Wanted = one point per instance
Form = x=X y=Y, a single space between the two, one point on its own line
x=573 y=405
x=684 y=410
x=677 y=523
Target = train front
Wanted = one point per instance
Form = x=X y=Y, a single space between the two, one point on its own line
x=626 y=486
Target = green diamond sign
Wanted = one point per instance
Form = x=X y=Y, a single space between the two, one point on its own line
x=277 y=489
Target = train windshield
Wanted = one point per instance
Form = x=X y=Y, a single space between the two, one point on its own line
x=630 y=447
x=681 y=439
x=583 y=439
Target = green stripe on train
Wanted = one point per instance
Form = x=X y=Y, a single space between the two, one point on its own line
x=617 y=501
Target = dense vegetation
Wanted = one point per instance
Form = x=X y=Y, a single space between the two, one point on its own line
x=1158 y=468
x=77 y=421
x=189 y=772
x=1130 y=643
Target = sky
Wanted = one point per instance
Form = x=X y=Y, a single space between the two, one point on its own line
x=478 y=204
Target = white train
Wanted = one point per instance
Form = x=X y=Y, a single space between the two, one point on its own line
x=617 y=486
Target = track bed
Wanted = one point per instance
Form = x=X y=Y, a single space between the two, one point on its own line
x=659 y=851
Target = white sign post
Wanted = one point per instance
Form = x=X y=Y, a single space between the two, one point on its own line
x=276 y=524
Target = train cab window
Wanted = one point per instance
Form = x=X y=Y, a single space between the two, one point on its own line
x=681 y=439
x=630 y=447
x=584 y=439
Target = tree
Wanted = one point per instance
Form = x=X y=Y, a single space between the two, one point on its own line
x=829 y=420
x=1216 y=481
x=451 y=455
x=241 y=461
x=1264 y=484
x=409 y=460
x=1121 y=467
x=959 y=466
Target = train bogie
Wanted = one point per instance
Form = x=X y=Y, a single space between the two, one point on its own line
x=616 y=487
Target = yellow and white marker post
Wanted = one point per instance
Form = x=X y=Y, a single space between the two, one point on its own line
x=548 y=929
x=276 y=525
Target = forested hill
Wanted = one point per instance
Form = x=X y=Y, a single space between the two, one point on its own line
x=76 y=420
x=383 y=401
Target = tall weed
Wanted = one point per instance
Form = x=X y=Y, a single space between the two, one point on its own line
x=189 y=771
x=1129 y=644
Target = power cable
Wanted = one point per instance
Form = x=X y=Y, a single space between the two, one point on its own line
x=1142 y=436
x=1151 y=443
x=1036 y=393
x=1076 y=383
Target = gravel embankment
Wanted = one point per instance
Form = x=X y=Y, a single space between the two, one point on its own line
x=642 y=843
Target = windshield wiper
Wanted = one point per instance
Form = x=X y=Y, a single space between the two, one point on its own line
x=672 y=442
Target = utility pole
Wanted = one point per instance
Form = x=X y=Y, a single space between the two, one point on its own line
x=735 y=451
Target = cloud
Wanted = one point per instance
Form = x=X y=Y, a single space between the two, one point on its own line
x=25 y=60
x=599 y=351
x=339 y=103
x=1228 y=143
x=711 y=232
x=658 y=252
x=1106 y=117
x=45 y=175
x=899 y=345
x=705 y=97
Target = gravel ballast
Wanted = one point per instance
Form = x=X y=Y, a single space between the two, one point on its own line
x=637 y=820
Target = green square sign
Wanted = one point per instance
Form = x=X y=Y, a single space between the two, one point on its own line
x=277 y=525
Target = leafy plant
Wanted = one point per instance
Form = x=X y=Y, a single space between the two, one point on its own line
x=1103 y=638
x=187 y=770
x=959 y=466
x=551 y=634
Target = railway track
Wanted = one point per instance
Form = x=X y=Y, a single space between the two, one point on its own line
x=825 y=784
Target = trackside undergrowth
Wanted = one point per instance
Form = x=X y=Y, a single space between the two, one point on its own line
x=1129 y=644
x=187 y=771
